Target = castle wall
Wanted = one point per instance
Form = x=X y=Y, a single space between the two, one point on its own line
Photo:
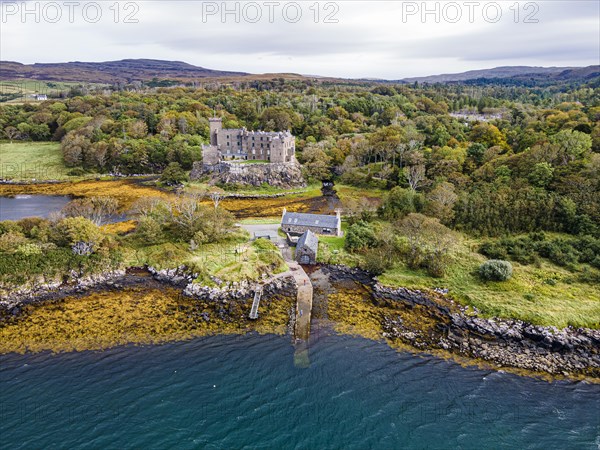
x=252 y=145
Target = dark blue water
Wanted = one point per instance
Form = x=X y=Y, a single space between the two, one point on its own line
x=245 y=392
x=21 y=206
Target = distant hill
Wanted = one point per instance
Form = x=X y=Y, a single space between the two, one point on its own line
x=130 y=70
x=124 y=71
x=516 y=73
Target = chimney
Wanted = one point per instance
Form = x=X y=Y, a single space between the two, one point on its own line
x=283 y=214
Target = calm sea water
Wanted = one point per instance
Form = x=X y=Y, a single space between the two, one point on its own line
x=21 y=206
x=233 y=392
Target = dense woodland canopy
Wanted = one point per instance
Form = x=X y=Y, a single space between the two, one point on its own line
x=528 y=158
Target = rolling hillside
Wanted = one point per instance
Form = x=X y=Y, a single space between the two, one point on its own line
x=124 y=71
x=516 y=73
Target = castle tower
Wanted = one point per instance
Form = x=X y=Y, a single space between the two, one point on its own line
x=216 y=125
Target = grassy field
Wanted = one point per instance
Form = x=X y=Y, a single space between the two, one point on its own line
x=234 y=260
x=345 y=193
x=23 y=161
x=546 y=294
x=21 y=91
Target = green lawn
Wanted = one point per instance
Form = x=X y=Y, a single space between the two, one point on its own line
x=331 y=251
x=260 y=221
x=235 y=259
x=544 y=295
x=25 y=161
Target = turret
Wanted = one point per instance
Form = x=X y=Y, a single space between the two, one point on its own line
x=216 y=125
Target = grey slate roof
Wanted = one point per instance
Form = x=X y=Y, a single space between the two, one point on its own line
x=308 y=239
x=310 y=220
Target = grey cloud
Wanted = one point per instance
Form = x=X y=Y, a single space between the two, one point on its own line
x=517 y=41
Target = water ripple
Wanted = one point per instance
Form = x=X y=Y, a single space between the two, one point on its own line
x=245 y=392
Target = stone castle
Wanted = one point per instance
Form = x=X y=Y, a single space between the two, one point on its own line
x=243 y=145
x=239 y=156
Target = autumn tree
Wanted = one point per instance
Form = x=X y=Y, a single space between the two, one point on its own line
x=428 y=243
x=98 y=210
x=315 y=163
x=415 y=176
x=440 y=202
x=11 y=133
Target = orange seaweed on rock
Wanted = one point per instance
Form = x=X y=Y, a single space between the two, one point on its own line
x=139 y=316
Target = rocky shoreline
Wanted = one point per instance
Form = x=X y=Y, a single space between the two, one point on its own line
x=75 y=285
x=425 y=320
x=244 y=290
x=433 y=321
x=148 y=277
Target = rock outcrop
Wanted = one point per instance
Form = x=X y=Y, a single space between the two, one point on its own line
x=51 y=289
x=505 y=342
x=281 y=175
x=242 y=290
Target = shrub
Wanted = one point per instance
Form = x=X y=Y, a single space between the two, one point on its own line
x=77 y=229
x=400 y=202
x=495 y=270
x=360 y=236
x=377 y=261
x=173 y=175
x=29 y=249
x=149 y=230
x=76 y=172
x=493 y=250
x=11 y=240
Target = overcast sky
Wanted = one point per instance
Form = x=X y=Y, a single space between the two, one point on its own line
x=351 y=39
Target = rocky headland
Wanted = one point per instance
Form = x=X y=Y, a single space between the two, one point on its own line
x=432 y=320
